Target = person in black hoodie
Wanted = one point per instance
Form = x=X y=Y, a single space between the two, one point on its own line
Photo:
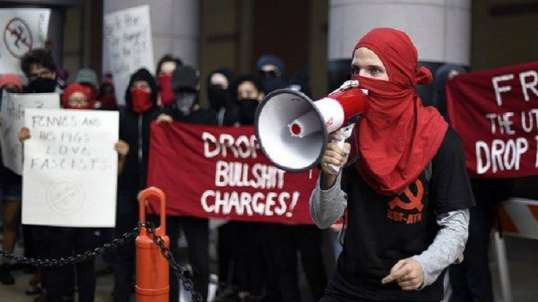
x=135 y=118
x=185 y=108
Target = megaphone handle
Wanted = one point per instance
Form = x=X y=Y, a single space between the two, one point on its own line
x=340 y=143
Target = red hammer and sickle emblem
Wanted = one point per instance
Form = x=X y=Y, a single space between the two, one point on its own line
x=415 y=200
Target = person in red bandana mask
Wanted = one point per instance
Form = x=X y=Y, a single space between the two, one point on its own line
x=405 y=185
x=135 y=118
x=165 y=68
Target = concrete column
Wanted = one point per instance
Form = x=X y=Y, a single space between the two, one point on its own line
x=174 y=26
x=440 y=29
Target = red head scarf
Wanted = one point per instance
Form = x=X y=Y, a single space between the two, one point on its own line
x=75 y=87
x=397 y=136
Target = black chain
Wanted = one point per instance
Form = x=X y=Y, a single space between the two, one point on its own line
x=79 y=258
x=182 y=274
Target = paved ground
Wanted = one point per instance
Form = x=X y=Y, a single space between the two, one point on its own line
x=523 y=265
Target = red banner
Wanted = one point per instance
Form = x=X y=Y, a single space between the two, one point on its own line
x=221 y=172
x=495 y=113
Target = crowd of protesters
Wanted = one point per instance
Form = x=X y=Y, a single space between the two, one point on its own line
x=256 y=261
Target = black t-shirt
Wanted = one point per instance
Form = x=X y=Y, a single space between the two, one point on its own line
x=382 y=230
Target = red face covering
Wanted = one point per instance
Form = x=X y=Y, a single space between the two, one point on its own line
x=141 y=100
x=167 y=94
x=397 y=136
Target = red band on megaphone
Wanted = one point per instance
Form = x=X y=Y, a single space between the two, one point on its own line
x=353 y=101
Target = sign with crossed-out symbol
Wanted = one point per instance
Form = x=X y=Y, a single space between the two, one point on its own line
x=17 y=37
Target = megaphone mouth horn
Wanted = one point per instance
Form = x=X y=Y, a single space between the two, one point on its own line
x=290 y=130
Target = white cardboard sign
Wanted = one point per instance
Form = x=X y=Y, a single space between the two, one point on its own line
x=127 y=45
x=23 y=29
x=12 y=120
x=70 y=168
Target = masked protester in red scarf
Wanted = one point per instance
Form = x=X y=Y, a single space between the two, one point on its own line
x=135 y=118
x=67 y=241
x=406 y=189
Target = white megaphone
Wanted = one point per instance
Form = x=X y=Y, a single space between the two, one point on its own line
x=293 y=130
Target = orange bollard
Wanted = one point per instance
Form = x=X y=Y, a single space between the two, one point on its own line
x=152 y=284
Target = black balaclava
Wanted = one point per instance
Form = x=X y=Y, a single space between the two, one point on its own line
x=217 y=96
x=41 y=85
x=271 y=81
x=246 y=108
x=247 y=111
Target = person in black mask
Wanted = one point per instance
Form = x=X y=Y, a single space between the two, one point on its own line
x=271 y=71
x=282 y=242
x=218 y=93
x=239 y=248
x=40 y=70
x=135 y=118
x=186 y=109
x=248 y=93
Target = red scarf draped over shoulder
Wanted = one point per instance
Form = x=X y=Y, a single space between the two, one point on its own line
x=397 y=137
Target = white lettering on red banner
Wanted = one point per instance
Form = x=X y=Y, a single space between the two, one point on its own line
x=224 y=174
x=495 y=113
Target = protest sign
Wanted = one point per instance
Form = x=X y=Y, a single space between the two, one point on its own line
x=12 y=119
x=495 y=113
x=221 y=172
x=127 y=45
x=23 y=29
x=70 y=168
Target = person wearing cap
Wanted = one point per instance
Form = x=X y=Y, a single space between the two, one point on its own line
x=10 y=190
x=405 y=185
x=186 y=109
x=87 y=77
x=69 y=241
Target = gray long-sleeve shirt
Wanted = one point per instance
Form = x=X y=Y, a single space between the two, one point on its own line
x=327 y=206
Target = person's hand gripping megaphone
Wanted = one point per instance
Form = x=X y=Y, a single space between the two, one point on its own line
x=337 y=151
